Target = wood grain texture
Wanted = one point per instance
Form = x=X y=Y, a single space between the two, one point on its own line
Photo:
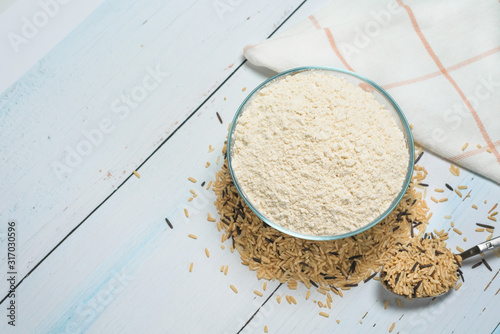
x=125 y=270
x=91 y=111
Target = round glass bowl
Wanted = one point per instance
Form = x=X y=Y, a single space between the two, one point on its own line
x=381 y=96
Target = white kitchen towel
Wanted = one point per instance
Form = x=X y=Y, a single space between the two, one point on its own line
x=440 y=60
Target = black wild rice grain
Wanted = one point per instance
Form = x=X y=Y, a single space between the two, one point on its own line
x=423 y=184
x=304 y=264
x=169 y=223
x=314 y=284
x=411 y=231
x=330 y=277
x=355 y=257
x=218 y=116
x=352 y=268
x=486 y=264
x=461 y=274
x=438 y=253
x=397 y=278
x=416 y=288
x=370 y=277
x=256 y=260
x=333 y=253
x=425 y=266
x=203 y=183
x=477 y=264
x=484 y=225
x=420 y=249
x=448 y=186
x=414 y=267
x=418 y=157
x=269 y=240
x=351 y=285
x=395 y=229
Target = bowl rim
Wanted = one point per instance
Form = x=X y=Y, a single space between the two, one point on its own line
x=395 y=202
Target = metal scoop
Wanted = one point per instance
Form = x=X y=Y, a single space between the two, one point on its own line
x=478 y=249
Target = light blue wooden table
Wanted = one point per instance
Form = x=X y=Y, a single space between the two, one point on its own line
x=136 y=86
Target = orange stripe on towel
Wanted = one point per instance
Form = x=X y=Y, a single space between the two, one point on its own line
x=438 y=63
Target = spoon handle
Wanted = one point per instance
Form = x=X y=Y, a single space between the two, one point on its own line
x=480 y=248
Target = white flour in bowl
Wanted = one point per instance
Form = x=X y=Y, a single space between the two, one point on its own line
x=317 y=155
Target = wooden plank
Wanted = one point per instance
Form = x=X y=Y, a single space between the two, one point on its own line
x=91 y=111
x=33 y=28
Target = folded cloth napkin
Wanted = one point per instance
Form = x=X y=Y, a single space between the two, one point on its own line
x=440 y=60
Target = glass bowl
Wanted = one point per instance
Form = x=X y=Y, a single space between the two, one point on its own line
x=381 y=96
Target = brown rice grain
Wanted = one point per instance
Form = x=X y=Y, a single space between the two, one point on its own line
x=323 y=314
x=258 y=293
x=233 y=288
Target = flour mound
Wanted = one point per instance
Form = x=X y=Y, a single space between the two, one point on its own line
x=318 y=155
